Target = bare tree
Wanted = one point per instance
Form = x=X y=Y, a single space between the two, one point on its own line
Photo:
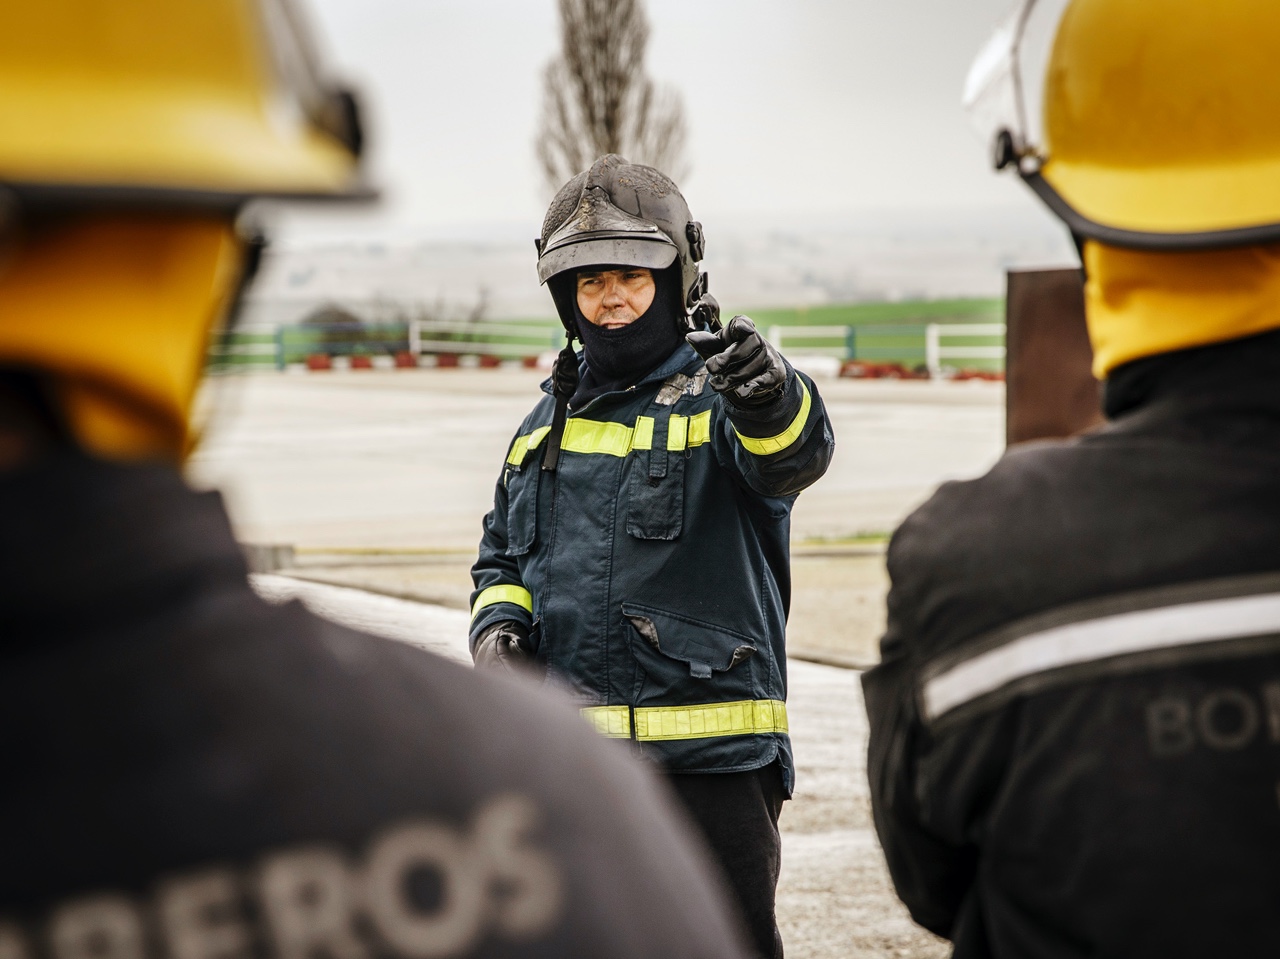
x=597 y=99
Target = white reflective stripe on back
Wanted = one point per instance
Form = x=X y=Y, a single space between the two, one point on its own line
x=1103 y=638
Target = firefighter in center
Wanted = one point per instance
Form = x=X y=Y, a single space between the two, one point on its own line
x=637 y=552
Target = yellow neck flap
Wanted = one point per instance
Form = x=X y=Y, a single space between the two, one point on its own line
x=1141 y=304
x=118 y=312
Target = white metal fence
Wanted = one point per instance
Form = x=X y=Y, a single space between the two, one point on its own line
x=932 y=347
x=931 y=342
x=935 y=352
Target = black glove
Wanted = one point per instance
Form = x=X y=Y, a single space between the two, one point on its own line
x=506 y=646
x=744 y=366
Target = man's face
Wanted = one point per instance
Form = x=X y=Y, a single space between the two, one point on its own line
x=614 y=298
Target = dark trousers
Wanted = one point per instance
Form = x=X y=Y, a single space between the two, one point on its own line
x=738 y=814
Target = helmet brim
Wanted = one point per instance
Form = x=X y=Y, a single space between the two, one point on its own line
x=1216 y=206
x=168 y=149
x=653 y=253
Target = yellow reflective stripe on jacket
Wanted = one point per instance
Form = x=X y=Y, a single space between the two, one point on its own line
x=617 y=439
x=776 y=444
x=522 y=445
x=686 y=432
x=503 y=593
x=611 y=721
x=700 y=428
x=642 y=438
x=744 y=718
x=677 y=432
x=593 y=436
x=713 y=719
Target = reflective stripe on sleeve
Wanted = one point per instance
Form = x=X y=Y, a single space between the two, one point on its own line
x=502 y=593
x=712 y=719
x=763 y=446
x=613 y=722
x=1100 y=638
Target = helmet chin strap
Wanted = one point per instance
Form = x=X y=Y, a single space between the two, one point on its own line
x=564 y=382
x=705 y=313
x=564 y=373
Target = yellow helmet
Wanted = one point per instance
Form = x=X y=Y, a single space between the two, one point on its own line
x=132 y=132
x=198 y=102
x=1143 y=125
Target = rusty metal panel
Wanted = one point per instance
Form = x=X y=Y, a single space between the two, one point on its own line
x=1050 y=389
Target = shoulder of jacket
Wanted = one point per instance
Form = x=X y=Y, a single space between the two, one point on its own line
x=540 y=415
x=970 y=529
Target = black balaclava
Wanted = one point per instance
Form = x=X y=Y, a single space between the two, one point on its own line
x=617 y=359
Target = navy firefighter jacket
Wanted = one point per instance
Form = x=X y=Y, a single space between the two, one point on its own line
x=652 y=567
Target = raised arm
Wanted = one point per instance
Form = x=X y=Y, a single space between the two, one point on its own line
x=770 y=426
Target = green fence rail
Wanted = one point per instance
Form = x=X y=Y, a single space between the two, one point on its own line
x=280 y=347
x=966 y=334
x=929 y=347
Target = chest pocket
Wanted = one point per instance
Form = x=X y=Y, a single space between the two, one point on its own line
x=522 y=480
x=655 y=507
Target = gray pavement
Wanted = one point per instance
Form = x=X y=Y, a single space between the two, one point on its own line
x=408 y=458
x=834 y=898
x=365 y=464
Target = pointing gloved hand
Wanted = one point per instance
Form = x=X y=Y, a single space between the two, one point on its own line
x=506 y=646
x=744 y=366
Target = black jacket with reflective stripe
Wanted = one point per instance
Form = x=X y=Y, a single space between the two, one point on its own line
x=1075 y=727
x=189 y=771
x=653 y=565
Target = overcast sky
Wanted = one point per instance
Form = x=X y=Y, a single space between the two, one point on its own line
x=805 y=109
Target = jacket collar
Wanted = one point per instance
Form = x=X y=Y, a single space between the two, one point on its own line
x=1222 y=374
x=684 y=359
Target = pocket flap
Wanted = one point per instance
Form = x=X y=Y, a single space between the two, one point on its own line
x=705 y=648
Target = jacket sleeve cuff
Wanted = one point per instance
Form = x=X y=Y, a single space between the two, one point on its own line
x=778 y=425
x=499 y=603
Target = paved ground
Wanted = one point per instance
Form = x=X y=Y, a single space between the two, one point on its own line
x=837 y=593
x=834 y=899
x=408 y=458
x=381 y=479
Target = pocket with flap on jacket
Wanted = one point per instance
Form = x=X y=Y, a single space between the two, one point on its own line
x=655 y=497
x=683 y=660
x=522 y=505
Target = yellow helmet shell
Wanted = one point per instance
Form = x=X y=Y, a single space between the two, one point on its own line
x=1162 y=122
x=213 y=100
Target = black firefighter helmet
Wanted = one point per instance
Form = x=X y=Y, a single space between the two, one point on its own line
x=622 y=214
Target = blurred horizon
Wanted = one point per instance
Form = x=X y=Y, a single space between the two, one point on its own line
x=831 y=159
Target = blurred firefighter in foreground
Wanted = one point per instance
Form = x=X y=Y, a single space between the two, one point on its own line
x=1075 y=728
x=637 y=552
x=190 y=772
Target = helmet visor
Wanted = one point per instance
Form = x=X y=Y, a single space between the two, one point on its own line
x=655 y=253
x=1004 y=91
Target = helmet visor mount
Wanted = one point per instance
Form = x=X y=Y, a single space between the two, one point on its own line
x=1094 y=104
x=1004 y=89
